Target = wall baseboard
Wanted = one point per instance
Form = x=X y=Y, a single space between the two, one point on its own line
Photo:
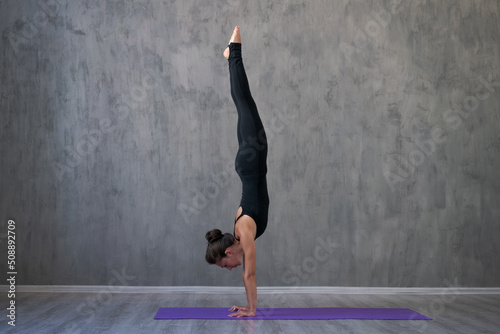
x=265 y=290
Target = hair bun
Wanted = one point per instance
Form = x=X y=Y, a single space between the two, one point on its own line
x=213 y=235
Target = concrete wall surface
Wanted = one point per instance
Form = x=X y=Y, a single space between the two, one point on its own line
x=118 y=138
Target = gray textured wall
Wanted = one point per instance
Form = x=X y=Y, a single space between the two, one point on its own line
x=118 y=137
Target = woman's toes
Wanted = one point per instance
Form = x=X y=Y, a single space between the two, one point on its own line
x=236 y=38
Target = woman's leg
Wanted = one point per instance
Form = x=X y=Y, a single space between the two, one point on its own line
x=252 y=153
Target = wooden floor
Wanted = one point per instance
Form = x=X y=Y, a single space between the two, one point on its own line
x=133 y=313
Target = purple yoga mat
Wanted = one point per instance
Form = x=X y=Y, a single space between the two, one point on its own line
x=315 y=313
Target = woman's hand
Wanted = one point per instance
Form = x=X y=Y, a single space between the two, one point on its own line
x=241 y=311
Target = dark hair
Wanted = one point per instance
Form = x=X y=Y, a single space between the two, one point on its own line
x=217 y=245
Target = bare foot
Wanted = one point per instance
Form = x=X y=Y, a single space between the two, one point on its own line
x=235 y=38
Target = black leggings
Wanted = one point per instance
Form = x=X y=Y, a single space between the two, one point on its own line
x=251 y=158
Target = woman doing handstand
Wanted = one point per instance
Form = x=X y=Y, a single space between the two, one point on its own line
x=226 y=250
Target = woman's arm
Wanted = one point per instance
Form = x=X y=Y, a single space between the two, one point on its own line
x=249 y=275
x=247 y=242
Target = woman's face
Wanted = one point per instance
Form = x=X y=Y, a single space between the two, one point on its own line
x=230 y=261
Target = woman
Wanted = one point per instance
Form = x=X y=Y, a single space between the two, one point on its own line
x=226 y=250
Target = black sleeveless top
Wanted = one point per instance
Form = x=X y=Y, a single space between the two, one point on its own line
x=254 y=202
